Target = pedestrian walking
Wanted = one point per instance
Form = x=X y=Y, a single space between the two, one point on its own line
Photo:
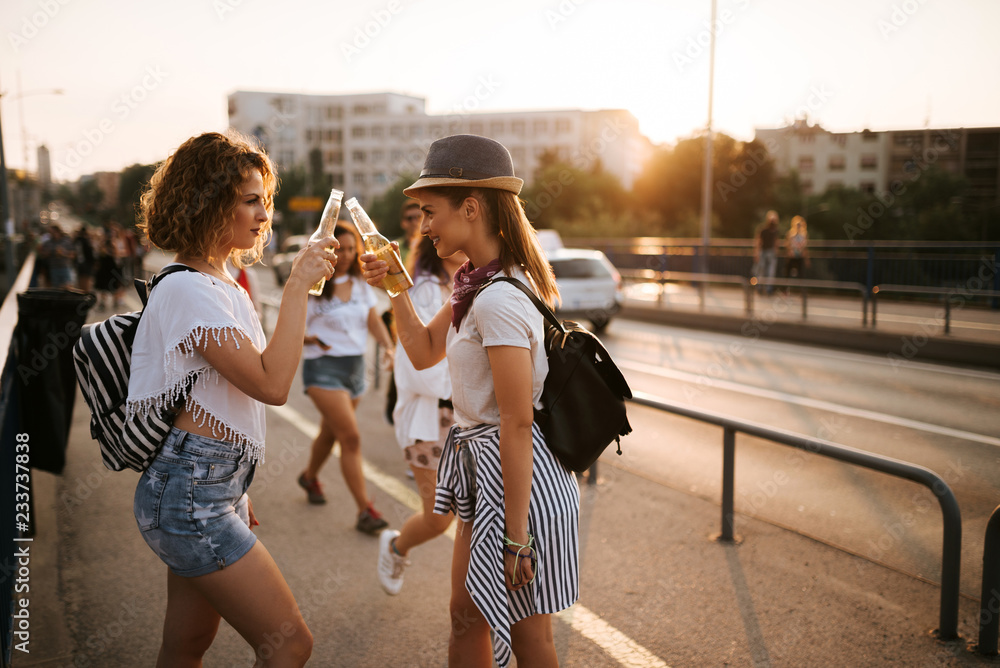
x=797 y=248
x=110 y=278
x=516 y=554
x=60 y=251
x=423 y=416
x=85 y=259
x=200 y=346
x=333 y=373
x=766 y=250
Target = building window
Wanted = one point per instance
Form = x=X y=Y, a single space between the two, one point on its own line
x=396 y=131
x=359 y=156
x=869 y=161
x=359 y=179
x=837 y=163
x=807 y=163
x=334 y=112
x=396 y=155
x=476 y=128
x=378 y=156
x=380 y=179
x=338 y=135
x=540 y=126
x=416 y=131
x=309 y=134
x=517 y=127
x=358 y=132
x=496 y=128
x=335 y=157
x=338 y=180
x=361 y=109
x=562 y=125
x=517 y=154
x=377 y=131
x=839 y=140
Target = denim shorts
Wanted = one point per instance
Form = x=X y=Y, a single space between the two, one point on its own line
x=191 y=504
x=335 y=373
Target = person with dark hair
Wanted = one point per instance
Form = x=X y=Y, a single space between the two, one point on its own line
x=200 y=347
x=85 y=259
x=516 y=552
x=766 y=250
x=333 y=373
x=423 y=416
x=409 y=222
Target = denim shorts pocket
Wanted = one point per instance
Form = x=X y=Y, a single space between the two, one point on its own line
x=212 y=470
x=148 y=499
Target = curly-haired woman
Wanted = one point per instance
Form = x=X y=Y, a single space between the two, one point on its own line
x=200 y=347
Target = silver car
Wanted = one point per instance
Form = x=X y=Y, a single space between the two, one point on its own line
x=589 y=285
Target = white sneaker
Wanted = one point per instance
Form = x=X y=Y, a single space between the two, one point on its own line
x=390 y=564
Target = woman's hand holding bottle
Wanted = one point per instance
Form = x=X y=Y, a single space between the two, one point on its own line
x=314 y=262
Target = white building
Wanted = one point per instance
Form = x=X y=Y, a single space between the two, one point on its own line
x=364 y=142
x=825 y=159
x=44 y=167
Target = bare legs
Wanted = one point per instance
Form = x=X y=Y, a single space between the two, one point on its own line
x=339 y=423
x=424 y=525
x=252 y=596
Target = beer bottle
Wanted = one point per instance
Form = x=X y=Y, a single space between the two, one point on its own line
x=327 y=222
x=397 y=280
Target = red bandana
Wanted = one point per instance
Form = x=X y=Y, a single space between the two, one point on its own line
x=467 y=281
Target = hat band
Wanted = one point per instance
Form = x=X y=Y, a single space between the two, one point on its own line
x=458 y=173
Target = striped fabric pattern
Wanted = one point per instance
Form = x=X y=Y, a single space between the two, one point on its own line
x=102 y=358
x=553 y=520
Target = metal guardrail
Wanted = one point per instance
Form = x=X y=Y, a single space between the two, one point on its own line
x=802 y=286
x=8 y=427
x=946 y=295
x=952 y=535
x=989 y=602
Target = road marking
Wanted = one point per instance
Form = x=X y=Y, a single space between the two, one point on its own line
x=613 y=642
x=805 y=401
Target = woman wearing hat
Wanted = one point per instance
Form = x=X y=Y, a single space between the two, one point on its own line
x=515 y=561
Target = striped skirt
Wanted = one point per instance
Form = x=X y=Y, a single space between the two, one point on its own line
x=553 y=519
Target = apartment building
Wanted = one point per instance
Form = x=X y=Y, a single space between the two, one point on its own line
x=874 y=161
x=363 y=142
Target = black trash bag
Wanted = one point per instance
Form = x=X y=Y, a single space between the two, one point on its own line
x=48 y=325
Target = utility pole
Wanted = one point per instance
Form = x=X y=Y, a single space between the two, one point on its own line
x=706 y=186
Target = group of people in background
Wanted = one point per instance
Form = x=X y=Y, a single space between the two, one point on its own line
x=767 y=244
x=103 y=261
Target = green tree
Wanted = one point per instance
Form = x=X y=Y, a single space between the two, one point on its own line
x=131 y=183
x=292 y=184
x=574 y=200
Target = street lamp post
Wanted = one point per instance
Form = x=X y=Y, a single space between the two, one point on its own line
x=706 y=186
x=5 y=211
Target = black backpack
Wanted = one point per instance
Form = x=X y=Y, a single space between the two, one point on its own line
x=583 y=398
x=103 y=360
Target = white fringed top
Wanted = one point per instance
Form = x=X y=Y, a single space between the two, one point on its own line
x=188 y=310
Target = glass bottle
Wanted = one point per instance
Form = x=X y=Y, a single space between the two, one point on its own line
x=327 y=223
x=397 y=280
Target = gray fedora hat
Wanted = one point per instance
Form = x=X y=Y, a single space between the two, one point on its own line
x=467 y=160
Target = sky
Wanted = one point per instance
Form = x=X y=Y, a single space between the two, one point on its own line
x=138 y=78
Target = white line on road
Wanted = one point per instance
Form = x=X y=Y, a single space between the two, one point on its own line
x=616 y=644
x=763 y=393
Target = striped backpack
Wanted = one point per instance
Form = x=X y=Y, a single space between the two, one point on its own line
x=102 y=358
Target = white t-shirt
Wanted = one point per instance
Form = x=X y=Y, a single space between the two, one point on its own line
x=500 y=316
x=341 y=325
x=415 y=415
x=185 y=310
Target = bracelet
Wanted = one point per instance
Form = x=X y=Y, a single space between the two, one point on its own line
x=518 y=556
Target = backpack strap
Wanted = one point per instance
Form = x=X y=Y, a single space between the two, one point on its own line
x=145 y=287
x=539 y=304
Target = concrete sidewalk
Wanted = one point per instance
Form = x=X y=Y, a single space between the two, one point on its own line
x=656 y=590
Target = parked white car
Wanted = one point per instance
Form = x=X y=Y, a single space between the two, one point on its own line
x=282 y=261
x=589 y=285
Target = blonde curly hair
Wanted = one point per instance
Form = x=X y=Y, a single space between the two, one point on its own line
x=190 y=203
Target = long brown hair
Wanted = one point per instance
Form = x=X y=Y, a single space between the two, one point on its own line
x=354 y=269
x=190 y=202
x=519 y=247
